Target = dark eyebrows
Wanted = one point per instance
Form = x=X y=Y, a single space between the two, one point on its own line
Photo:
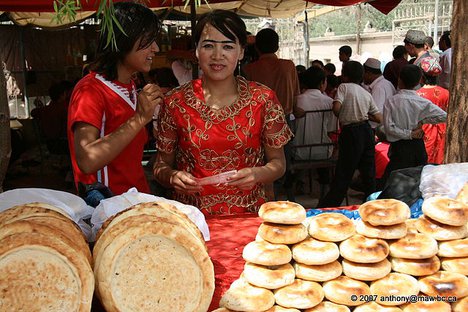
x=216 y=41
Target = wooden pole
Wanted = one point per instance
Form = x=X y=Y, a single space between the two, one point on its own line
x=456 y=147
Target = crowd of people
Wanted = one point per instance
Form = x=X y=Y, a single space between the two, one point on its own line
x=244 y=118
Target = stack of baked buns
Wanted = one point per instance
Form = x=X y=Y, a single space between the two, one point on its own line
x=45 y=261
x=151 y=257
x=332 y=263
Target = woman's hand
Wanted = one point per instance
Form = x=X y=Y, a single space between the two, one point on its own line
x=148 y=99
x=244 y=179
x=184 y=182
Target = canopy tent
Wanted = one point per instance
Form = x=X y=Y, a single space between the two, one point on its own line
x=40 y=12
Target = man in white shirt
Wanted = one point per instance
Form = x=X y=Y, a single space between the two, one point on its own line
x=380 y=88
x=445 y=44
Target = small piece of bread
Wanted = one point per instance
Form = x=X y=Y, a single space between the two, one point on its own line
x=300 y=295
x=327 y=306
x=282 y=212
x=440 y=231
x=444 y=283
x=384 y=212
x=314 y=252
x=456 y=265
x=318 y=273
x=414 y=246
x=242 y=296
x=361 y=249
x=341 y=291
x=393 y=287
x=416 y=267
x=282 y=233
x=454 y=248
x=270 y=277
x=366 y=271
x=446 y=210
x=331 y=227
x=265 y=253
x=381 y=231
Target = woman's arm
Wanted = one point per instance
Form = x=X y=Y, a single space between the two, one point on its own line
x=93 y=152
x=247 y=178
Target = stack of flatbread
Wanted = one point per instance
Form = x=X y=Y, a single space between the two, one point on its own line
x=45 y=261
x=151 y=257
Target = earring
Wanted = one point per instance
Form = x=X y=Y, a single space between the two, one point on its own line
x=239 y=67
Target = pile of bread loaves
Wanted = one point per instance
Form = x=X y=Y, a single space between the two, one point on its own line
x=150 y=257
x=45 y=261
x=383 y=262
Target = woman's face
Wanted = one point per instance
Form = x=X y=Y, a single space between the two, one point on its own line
x=140 y=60
x=218 y=55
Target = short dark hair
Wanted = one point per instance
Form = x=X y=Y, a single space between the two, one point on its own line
x=446 y=38
x=399 y=52
x=330 y=67
x=226 y=22
x=138 y=22
x=332 y=81
x=346 y=49
x=313 y=77
x=317 y=62
x=354 y=71
x=267 y=41
x=374 y=71
x=410 y=76
x=429 y=41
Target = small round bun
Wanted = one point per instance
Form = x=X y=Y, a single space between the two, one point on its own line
x=361 y=249
x=342 y=288
x=427 y=306
x=455 y=248
x=375 y=307
x=462 y=195
x=384 y=212
x=277 y=308
x=242 y=296
x=414 y=246
x=282 y=234
x=440 y=231
x=395 y=284
x=270 y=277
x=265 y=253
x=300 y=295
x=366 y=271
x=411 y=226
x=314 y=252
x=331 y=227
x=318 y=273
x=455 y=265
x=416 y=267
x=282 y=212
x=327 y=306
x=381 y=231
x=446 y=210
x=461 y=305
x=444 y=283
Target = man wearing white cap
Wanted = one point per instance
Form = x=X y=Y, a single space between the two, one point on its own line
x=380 y=88
x=414 y=44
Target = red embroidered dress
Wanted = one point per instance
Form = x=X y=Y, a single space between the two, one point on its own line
x=209 y=142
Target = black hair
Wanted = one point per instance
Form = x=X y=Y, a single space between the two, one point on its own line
x=399 y=52
x=410 y=76
x=430 y=80
x=59 y=88
x=317 y=62
x=354 y=71
x=330 y=67
x=226 y=22
x=300 y=69
x=267 y=41
x=446 y=38
x=429 y=41
x=372 y=70
x=417 y=46
x=346 y=49
x=332 y=81
x=138 y=23
x=313 y=77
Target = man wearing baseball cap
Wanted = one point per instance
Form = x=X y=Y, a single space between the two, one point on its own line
x=414 y=44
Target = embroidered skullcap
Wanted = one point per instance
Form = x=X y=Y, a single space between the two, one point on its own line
x=415 y=36
x=372 y=63
x=430 y=66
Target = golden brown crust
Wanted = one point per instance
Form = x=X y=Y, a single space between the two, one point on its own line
x=281 y=233
x=384 y=212
x=327 y=306
x=314 y=252
x=381 y=231
x=397 y=284
x=300 y=295
x=446 y=210
x=444 y=283
x=366 y=271
x=461 y=305
x=265 y=253
x=282 y=212
x=359 y=248
x=414 y=246
x=462 y=195
x=342 y=288
x=455 y=265
x=270 y=277
x=331 y=227
x=416 y=267
x=318 y=273
x=440 y=231
x=454 y=248
x=242 y=296
x=375 y=307
x=427 y=306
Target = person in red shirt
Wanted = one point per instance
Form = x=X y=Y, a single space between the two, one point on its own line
x=107 y=116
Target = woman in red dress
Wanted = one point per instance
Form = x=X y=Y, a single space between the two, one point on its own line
x=434 y=135
x=221 y=123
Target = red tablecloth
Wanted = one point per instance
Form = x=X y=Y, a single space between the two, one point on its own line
x=229 y=235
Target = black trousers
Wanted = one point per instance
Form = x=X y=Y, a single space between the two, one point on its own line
x=356 y=151
x=404 y=154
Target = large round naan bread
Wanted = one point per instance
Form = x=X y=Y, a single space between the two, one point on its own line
x=150 y=263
